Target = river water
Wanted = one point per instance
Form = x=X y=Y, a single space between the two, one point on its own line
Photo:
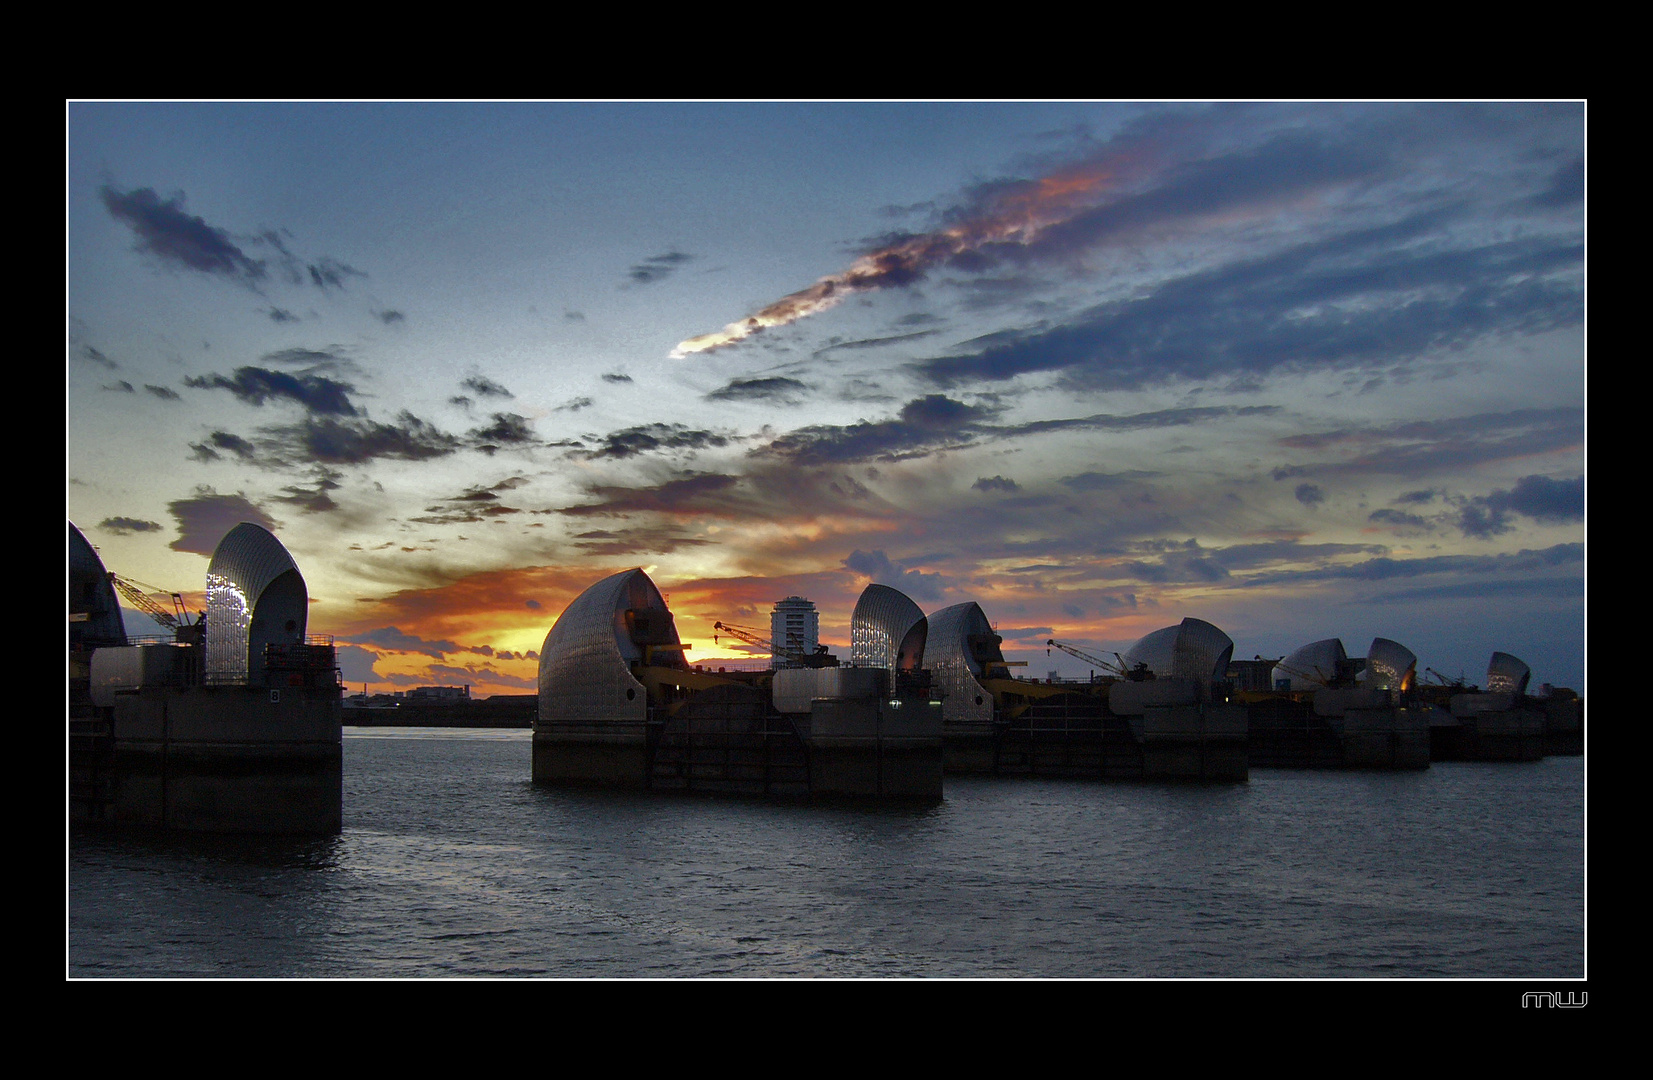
x=452 y=864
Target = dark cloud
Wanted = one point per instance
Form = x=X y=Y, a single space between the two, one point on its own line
x=178 y=239
x=329 y=273
x=507 y=429
x=611 y=544
x=1552 y=502
x=873 y=343
x=314 y=499
x=651 y=438
x=462 y=401
x=776 y=389
x=125 y=526
x=850 y=488
x=1098 y=481
x=1554 y=588
x=879 y=569
x=1416 y=497
x=1421 y=447
x=358 y=440
x=121 y=387
x=994 y=483
x=1566 y=187
x=486 y=387
x=281 y=315
x=1521 y=563
x=223 y=440
x=165 y=393
x=392 y=639
x=1186 y=561
x=356 y=664
x=616 y=377
x=314 y=359
x=575 y=405
x=1375 y=295
x=390 y=317
x=89 y=353
x=1160 y=418
x=657 y=267
x=1547 y=501
x=923 y=426
x=1310 y=494
x=693 y=493
x=254 y=385
x=204 y=519
x=1397 y=518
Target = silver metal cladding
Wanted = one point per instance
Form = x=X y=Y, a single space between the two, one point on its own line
x=959 y=648
x=1313 y=666
x=1192 y=649
x=1389 y=666
x=1507 y=674
x=255 y=597
x=882 y=619
x=585 y=664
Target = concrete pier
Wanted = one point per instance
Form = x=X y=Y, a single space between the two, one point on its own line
x=619 y=707
x=1337 y=728
x=228 y=759
x=1491 y=727
x=233 y=726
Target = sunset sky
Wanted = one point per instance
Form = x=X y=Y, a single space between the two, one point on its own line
x=1300 y=370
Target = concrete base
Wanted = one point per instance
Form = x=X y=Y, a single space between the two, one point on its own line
x=585 y=757
x=1510 y=735
x=231 y=759
x=1385 y=739
x=1339 y=729
x=1193 y=742
x=866 y=748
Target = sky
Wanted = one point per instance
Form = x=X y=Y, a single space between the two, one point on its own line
x=1302 y=370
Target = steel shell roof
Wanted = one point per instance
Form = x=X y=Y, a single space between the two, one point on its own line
x=1312 y=666
x=91 y=594
x=1389 y=666
x=882 y=618
x=255 y=596
x=1192 y=649
x=585 y=664
x=1507 y=674
x=954 y=661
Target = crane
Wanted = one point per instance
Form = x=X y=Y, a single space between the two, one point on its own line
x=794 y=650
x=137 y=594
x=1117 y=669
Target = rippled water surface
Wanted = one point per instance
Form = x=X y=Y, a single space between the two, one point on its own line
x=452 y=863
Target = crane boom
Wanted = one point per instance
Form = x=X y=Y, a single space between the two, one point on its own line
x=1109 y=666
x=140 y=600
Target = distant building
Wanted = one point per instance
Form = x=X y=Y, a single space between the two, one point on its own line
x=795 y=628
x=439 y=695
